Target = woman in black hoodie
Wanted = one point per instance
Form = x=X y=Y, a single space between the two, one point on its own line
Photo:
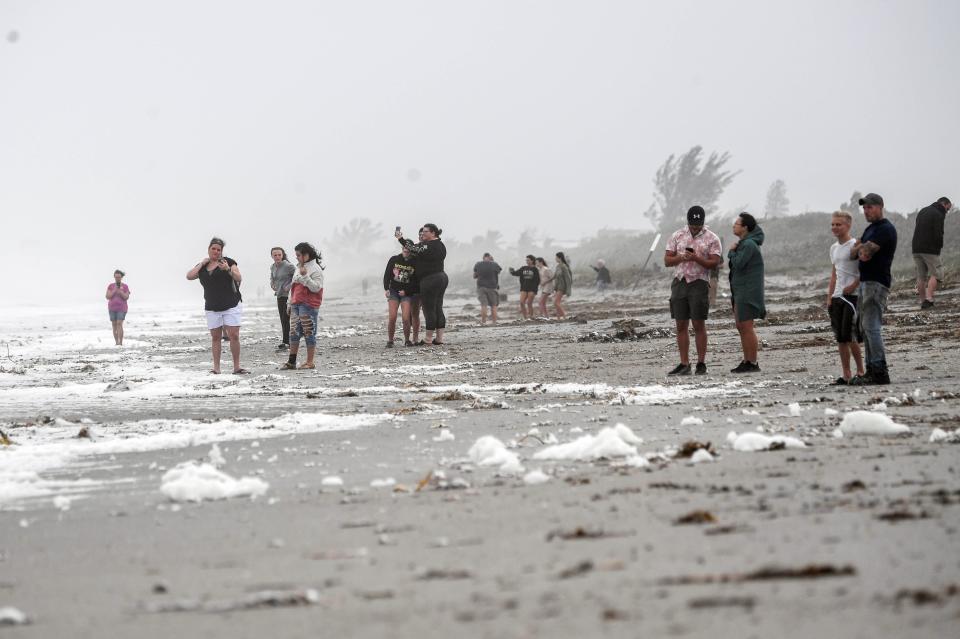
x=529 y=283
x=428 y=254
x=401 y=288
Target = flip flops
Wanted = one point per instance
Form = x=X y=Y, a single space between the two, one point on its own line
x=241 y=371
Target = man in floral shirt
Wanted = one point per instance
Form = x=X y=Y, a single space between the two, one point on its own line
x=693 y=251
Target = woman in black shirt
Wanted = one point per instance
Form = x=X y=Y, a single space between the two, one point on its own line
x=220 y=278
x=428 y=255
x=529 y=283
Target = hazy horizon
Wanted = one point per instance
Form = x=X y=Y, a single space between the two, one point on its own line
x=132 y=132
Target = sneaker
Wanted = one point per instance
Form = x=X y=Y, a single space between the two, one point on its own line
x=389 y=344
x=407 y=343
x=881 y=376
x=840 y=381
x=740 y=367
x=282 y=346
x=681 y=369
x=701 y=368
x=746 y=367
x=288 y=366
x=861 y=380
x=926 y=304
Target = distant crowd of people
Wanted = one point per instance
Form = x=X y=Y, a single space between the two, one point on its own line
x=414 y=282
x=535 y=277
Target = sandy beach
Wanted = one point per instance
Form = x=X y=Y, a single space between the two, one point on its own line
x=377 y=509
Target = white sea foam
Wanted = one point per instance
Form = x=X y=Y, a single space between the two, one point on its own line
x=40 y=449
x=490 y=451
x=752 y=442
x=701 y=456
x=194 y=481
x=535 y=477
x=861 y=422
x=610 y=442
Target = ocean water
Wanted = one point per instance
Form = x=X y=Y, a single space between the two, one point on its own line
x=60 y=373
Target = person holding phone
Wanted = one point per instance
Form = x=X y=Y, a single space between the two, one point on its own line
x=428 y=255
x=117 y=295
x=220 y=277
x=693 y=251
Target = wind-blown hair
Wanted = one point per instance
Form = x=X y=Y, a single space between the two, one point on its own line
x=306 y=248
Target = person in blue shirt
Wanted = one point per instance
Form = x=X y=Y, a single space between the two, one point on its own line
x=875 y=251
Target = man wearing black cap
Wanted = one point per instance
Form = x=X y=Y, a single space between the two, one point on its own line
x=927 y=244
x=875 y=250
x=693 y=251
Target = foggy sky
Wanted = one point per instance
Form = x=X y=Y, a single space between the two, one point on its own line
x=130 y=132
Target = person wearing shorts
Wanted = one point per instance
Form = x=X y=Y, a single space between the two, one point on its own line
x=842 y=296
x=117 y=295
x=399 y=287
x=693 y=252
x=927 y=244
x=223 y=304
x=487 y=274
x=529 y=283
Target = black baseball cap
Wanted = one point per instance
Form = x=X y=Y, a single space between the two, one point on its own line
x=696 y=215
x=871 y=198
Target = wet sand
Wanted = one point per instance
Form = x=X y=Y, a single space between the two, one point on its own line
x=851 y=537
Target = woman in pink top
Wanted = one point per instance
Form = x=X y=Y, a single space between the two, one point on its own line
x=117 y=296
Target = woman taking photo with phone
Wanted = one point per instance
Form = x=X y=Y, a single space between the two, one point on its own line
x=220 y=278
x=429 y=254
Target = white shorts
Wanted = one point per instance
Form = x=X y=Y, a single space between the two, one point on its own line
x=230 y=317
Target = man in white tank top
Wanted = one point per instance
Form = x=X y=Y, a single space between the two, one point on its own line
x=842 y=296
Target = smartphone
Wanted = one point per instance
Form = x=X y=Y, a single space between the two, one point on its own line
x=689 y=249
x=396 y=230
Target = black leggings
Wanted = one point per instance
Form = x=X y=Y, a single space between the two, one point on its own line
x=432 y=288
x=284 y=319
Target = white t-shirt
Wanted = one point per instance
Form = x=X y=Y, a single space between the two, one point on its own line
x=847 y=270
